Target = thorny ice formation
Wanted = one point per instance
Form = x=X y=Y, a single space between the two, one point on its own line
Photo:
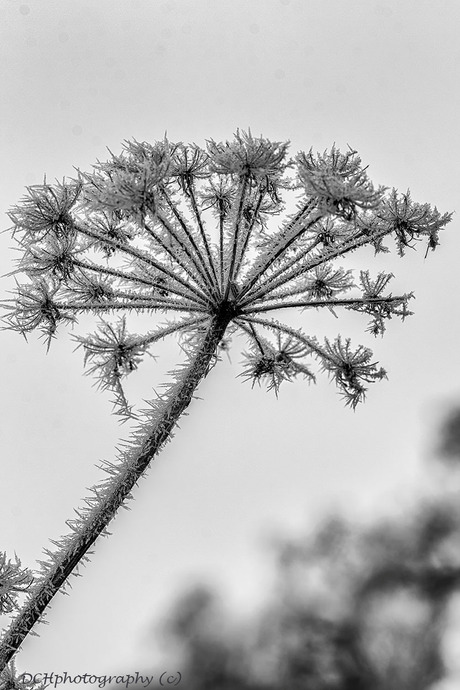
x=191 y=233
x=185 y=231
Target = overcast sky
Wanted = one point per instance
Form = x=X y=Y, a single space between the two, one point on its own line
x=79 y=76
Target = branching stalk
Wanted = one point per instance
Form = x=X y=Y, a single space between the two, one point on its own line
x=305 y=304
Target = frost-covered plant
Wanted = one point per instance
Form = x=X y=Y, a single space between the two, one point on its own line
x=11 y=680
x=190 y=232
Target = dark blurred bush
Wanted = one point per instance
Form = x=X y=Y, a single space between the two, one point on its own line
x=354 y=608
x=449 y=446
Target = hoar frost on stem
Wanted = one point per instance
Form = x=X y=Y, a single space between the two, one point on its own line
x=190 y=232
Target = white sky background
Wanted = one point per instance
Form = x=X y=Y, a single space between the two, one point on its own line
x=79 y=76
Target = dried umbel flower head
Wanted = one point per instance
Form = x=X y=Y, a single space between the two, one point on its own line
x=190 y=232
x=339 y=181
x=45 y=211
x=411 y=222
x=246 y=156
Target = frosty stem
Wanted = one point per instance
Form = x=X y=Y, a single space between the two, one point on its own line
x=122 y=483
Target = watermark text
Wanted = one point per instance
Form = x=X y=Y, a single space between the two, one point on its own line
x=54 y=680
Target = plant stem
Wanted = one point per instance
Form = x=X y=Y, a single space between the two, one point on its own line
x=95 y=521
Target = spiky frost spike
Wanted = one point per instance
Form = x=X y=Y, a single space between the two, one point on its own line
x=14 y=580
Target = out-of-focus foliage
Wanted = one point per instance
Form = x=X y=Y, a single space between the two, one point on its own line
x=355 y=607
x=449 y=447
